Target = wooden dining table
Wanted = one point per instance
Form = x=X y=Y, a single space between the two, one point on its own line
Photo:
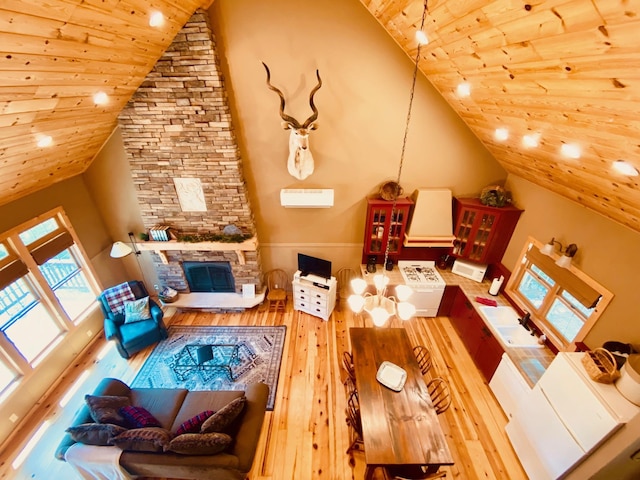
x=400 y=428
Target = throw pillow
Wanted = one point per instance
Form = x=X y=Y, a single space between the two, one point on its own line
x=138 y=417
x=104 y=409
x=151 y=439
x=194 y=423
x=136 y=310
x=223 y=417
x=95 y=433
x=199 y=443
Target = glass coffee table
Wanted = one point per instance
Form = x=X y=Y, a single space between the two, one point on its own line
x=206 y=359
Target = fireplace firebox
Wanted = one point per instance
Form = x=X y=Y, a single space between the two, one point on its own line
x=209 y=276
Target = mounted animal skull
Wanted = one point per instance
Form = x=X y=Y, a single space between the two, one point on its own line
x=300 y=163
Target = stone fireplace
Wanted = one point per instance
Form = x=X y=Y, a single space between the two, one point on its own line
x=186 y=164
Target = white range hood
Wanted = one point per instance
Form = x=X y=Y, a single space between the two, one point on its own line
x=431 y=223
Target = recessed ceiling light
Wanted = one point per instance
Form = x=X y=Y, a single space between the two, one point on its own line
x=422 y=38
x=100 y=98
x=625 y=168
x=501 y=134
x=463 y=90
x=44 y=141
x=531 y=140
x=156 y=19
x=570 y=150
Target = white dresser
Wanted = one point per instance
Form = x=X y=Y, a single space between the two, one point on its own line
x=314 y=295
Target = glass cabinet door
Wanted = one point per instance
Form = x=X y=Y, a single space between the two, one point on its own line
x=464 y=231
x=378 y=220
x=482 y=235
x=385 y=224
x=396 y=229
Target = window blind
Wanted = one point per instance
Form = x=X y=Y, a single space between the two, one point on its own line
x=580 y=290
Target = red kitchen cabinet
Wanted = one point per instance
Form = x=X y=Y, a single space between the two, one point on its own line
x=489 y=354
x=383 y=225
x=482 y=233
x=446 y=304
x=483 y=347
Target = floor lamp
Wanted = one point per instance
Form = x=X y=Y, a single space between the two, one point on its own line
x=121 y=249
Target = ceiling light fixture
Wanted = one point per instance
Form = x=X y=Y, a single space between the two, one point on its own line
x=567 y=253
x=44 y=141
x=501 y=134
x=156 y=19
x=531 y=140
x=625 y=168
x=422 y=38
x=463 y=90
x=379 y=306
x=100 y=98
x=571 y=150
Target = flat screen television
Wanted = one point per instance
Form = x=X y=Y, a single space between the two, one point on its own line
x=309 y=265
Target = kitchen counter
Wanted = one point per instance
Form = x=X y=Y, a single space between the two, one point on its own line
x=531 y=362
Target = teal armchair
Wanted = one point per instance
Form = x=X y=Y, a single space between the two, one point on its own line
x=132 y=337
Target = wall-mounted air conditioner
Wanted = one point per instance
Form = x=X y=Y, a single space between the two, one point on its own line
x=306 y=197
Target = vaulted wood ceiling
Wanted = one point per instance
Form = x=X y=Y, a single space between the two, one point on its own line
x=566 y=71
x=54 y=56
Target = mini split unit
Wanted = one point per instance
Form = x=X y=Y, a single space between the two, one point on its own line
x=306 y=197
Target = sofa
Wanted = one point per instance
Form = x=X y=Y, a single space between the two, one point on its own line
x=172 y=407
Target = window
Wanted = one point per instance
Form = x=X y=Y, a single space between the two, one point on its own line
x=64 y=275
x=7 y=377
x=25 y=321
x=47 y=287
x=565 y=303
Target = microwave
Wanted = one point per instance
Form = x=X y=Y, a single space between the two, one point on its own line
x=472 y=271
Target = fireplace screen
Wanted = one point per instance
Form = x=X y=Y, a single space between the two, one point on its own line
x=209 y=276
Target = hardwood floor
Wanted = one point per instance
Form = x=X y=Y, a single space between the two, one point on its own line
x=306 y=435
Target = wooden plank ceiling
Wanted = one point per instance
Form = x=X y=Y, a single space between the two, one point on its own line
x=54 y=56
x=564 y=71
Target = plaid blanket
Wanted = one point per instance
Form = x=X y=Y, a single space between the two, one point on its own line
x=116 y=296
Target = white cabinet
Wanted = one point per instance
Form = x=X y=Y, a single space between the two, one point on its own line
x=565 y=418
x=509 y=386
x=314 y=296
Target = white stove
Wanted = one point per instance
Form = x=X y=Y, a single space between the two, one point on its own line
x=418 y=274
x=426 y=283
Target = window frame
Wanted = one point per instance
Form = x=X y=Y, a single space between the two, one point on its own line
x=539 y=315
x=10 y=355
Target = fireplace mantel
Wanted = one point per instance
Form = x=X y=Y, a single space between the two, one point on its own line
x=239 y=248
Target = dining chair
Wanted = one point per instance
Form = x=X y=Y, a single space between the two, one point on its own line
x=355 y=422
x=344 y=277
x=349 y=386
x=423 y=356
x=276 y=281
x=412 y=473
x=440 y=394
x=347 y=363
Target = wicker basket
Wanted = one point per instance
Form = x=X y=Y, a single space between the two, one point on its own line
x=600 y=364
x=390 y=191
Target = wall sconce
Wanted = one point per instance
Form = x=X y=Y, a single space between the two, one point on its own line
x=121 y=249
x=567 y=253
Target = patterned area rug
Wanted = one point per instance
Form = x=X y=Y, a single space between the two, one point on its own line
x=240 y=356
